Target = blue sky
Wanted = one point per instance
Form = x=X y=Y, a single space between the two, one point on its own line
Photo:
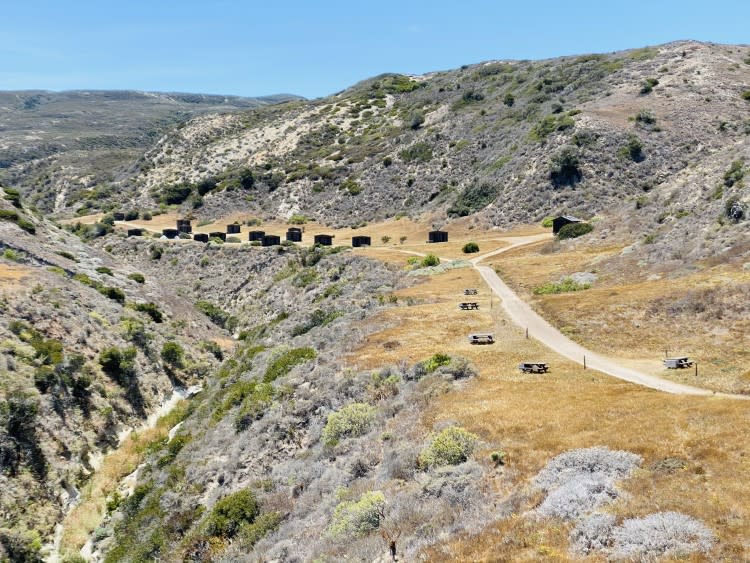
x=315 y=48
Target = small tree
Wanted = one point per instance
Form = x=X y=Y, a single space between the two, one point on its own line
x=385 y=239
x=430 y=260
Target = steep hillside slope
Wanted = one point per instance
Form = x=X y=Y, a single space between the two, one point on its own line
x=89 y=349
x=55 y=144
x=648 y=137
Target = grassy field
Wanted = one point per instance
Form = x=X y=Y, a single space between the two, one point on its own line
x=535 y=417
x=628 y=315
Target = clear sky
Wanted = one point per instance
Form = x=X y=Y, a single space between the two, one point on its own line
x=314 y=48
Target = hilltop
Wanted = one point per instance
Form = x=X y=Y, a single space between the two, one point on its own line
x=55 y=142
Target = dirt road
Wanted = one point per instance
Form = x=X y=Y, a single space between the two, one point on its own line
x=525 y=317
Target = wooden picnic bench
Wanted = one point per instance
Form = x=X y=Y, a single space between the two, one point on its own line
x=468 y=306
x=533 y=367
x=677 y=363
x=482 y=338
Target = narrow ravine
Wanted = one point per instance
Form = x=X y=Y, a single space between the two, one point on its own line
x=125 y=486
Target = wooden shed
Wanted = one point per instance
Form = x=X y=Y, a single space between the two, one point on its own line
x=256 y=235
x=438 y=236
x=234 y=228
x=200 y=237
x=361 y=240
x=324 y=240
x=294 y=234
x=218 y=234
x=170 y=233
x=135 y=232
x=559 y=222
x=270 y=240
x=118 y=216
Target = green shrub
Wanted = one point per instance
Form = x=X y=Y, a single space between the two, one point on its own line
x=286 y=361
x=15 y=217
x=648 y=85
x=645 y=117
x=319 y=317
x=173 y=354
x=473 y=198
x=430 y=260
x=416 y=119
x=176 y=194
x=565 y=286
x=735 y=173
x=436 y=361
x=174 y=447
x=137 y=277
x=470 y=248
x=13 y=196
x=351 y=186
x=451 y=446
x=67 y=255
x=633 y=149
x=250 y=534
x=358 y=518
x=418 y=152
x=565 y=169
x=114 y=293
x=547 y=222
x=573 y=230
x=746 y=95
x=297 y=219
x=549 y=124
x=150 y=309
x=509 y=99
x=217 y=315
x=387 y=161
x=230 y=513
x=352 y=420
x=104 y=270
x=118 y=363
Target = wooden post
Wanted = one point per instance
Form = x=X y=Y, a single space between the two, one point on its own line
x=666 y=353
x=696 y=369
x=584 y=362
x=527 y=333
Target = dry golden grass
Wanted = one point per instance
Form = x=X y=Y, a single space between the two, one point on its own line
x=616 y=316
x=12 y=275
x=87 y=515
x=534 y=418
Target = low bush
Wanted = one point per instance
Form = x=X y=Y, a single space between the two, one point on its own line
x=470 y=248
x=217 y=315
x=565 y=167
x=574 y=230
x=473 y=198
x=114 y=293
x=283 y=363
x=151 y=309
x=319 y=317
x=13 y=196
x=173 y=354
x=547 y=222
x=632 y=150
x=429 y=261
x=664 y=534
x=230 y=513
x=136 y=277
x=418 y=152
x=566 y=286
x=436 y=361
x=451 y=446
x=746 y=95
x=118 y=363
x=104 y=270
x=358 y=518
x=735 y=173
x=352 y=420
x=648 y=85
x=176 y=194
x=18 y=219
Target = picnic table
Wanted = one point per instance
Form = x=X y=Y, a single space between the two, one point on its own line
x=482 y=338
x=470 y=291
x=533 y=367
x=678 y=363
x=468 y=306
